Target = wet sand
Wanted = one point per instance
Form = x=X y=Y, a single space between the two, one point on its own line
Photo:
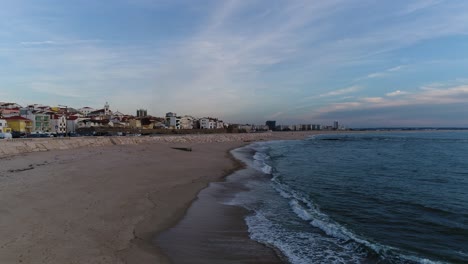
x=212 y=232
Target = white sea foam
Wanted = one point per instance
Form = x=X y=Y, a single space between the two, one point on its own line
x=339 y=246
x=298 y=247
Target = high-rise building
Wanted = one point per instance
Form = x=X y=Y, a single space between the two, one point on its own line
x=335 y=125
x=271 y=125
x=142 y=113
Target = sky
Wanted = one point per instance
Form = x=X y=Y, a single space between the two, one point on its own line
x=365 y=63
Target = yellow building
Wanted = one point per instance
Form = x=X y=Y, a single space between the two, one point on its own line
x=19 y=124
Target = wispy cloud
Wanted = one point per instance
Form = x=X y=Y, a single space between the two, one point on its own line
x=59 y=42
x=419 y=5
x=396 y=93
x=425 y=96
x=33 y=43
x=386 y=72
x=343 y=91
x=373 y=100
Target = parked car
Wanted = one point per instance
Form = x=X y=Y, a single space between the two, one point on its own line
x=6 y=136
x=16 y=134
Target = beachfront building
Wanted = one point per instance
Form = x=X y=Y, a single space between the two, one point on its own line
x=86 y=110
x=135 y=123
x=19 y=124
x=220 y=124
x=206 y=123
x=172 y=120
x=87 y=123
x=9 y=109
x=4 y=105
x=40 y=122
x=247 y=128
x=7 y=112
x=37 y=107
x=104 y=113
x=72 y=123
x=282 y=128
x=58 y=124
x=115 y=122
x=211 y=123
x=256 y=128
x=186 y=122
x=4 y=126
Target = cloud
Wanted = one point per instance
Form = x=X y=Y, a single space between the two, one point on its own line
x=386 y=72
x=425 y=96
x=374 y=100
x=396 y=93
x=419 y=5
x=33 y=43
x=62 y=42
x=347 y=90
x=242 y=54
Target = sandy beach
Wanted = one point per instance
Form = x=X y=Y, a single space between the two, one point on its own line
x=104 y=204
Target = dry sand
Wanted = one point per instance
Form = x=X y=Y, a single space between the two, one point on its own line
x=103 y=205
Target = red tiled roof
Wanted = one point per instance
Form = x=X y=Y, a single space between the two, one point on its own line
x=16 y=118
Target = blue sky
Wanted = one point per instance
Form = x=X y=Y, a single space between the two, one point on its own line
x=364 y=63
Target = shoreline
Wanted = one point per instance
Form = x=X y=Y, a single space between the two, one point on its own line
x=145 y=232
x=106 y=204
x=275 y=256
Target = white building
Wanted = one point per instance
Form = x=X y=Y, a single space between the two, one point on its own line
x=4 y=126
x=248 y=128
x=5 y=131
x=186 y=122
x=72 y=123
x=172 y=120
x=4 y=105
x=86 y=110
x=219 y=124
x=107 y=111
x=58 y=124
x=208 y=123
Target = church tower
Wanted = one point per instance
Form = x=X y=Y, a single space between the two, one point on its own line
x=106 y=109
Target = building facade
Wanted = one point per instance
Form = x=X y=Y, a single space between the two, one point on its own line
x=186 y=122
x=40 y=122
x=59 y=124
x=4 y=126
x=141 y=113
x=271 y=124
x=172 y=120
x=86 y=110
x=19 y=124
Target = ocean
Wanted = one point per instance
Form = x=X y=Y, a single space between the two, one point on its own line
x=358 y=198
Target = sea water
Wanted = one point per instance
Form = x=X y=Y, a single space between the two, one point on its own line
x=360 y=198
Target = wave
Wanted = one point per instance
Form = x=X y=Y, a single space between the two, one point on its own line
x=295 y=246
x=308 y=211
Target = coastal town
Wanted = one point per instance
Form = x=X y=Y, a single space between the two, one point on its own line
x=37 y=120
